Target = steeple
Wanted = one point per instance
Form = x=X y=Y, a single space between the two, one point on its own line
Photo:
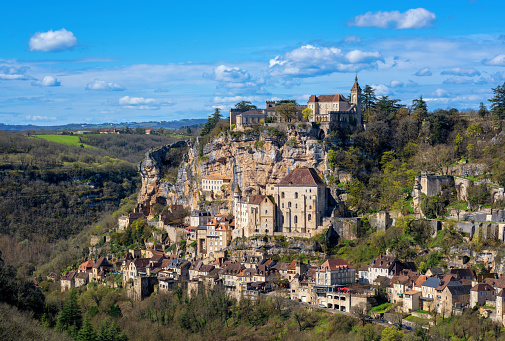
x=356 y=98
x=355 y=87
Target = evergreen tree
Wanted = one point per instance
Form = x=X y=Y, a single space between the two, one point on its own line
x=419 y=109
x=211 y=122
x=70 y=318
x=87 y=333
x=498 y=102
x=111 y=332
x=368 y=97
x=482 y=110
x=245 y=105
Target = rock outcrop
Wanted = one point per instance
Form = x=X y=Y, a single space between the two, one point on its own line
x=253 y=160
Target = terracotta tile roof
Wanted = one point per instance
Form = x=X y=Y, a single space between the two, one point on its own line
x=256 y=199
x=86 y=265
x=102 y=261
x=216 y=177
x=482 y=287
x=420 y=280
x=335 y=264
x=303 y=177
x=69 y=276
x=383 y=262
x=328 y=98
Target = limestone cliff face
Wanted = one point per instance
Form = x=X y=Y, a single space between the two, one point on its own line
x=154 y=189
x=252 y=161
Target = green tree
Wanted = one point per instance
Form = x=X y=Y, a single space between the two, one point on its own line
x=245 y=105
x=111 y=332
x=211 y=122
x=368 y=98
x=287 y=111
x=70 y=318
x=419 y=109
x=473 y=130
x=392 y=334
x=482 y=110
x=498 y=102
x=87 y=333
x=457 y=143
x=308 y=114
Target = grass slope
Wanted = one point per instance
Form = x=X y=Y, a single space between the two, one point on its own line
x=68 y=140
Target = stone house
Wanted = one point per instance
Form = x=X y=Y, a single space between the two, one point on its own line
x=86 y=266
x=453 y=296
x=335 y=272
x=254 y=214
x=214 y=182
x=381 y=266
x=302 y=287
x=296 y=267
x=481 y=293
x=135 y=268
x=67 y=282
x=81 y=279
x=411 y=300
x=100 y=268
x=199 y=218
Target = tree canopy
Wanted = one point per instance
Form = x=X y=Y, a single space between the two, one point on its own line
x=498 y=102
x=245 y=105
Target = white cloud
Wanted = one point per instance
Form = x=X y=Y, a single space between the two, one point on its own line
x=223 y=73
x=424 y=72
x=352 y=39
x=396 y=84
x=413 y=18
x=52 y=41
x=101 y=85
x=310 y=61
x=39 y=118
x=13 y=73
x=236 y=99
x=440 y=93
x=47 y=81
x=461 y=72
x=380 y=89
x=127 y=100
x=499 y=60
x=141 y=103
x=458 y=80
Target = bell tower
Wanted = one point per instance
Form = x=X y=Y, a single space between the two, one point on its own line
x=356 y=98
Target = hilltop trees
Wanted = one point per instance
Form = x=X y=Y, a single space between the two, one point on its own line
x=211 y=122
x=245 y=105
x=286 y=110
x=498 y=102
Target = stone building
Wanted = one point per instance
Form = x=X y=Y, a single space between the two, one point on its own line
x=255 y=214
x=214 y=182
x=335 y=272
x=301 y=201
x=335 y=108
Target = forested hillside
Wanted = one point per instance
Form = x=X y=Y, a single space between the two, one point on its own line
x=51 y=191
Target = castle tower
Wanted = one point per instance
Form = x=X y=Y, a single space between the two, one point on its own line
x=500 y=300
x=356 y=98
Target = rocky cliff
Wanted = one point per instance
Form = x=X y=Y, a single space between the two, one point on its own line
x=252 y=159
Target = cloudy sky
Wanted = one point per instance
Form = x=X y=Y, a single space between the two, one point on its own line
x=108 y=61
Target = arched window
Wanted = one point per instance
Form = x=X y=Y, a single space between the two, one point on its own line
x=296 y=195
x=296 y=205
x=289 y=204
x=309 y=217
x=282 y=195
x=296 y=220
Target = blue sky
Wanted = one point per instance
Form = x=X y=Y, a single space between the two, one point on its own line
x=91 y=62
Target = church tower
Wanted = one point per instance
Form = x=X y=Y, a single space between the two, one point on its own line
x=356 y=98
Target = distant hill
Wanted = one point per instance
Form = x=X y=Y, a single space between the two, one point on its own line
x=76 y=126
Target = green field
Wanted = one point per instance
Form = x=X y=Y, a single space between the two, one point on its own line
x=69 y=140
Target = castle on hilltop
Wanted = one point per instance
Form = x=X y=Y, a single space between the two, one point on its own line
x=325 y=109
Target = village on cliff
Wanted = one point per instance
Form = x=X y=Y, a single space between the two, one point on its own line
x=248 y=206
